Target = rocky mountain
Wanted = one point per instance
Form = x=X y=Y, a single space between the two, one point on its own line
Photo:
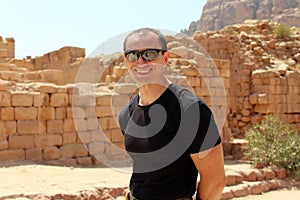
x=218 y=14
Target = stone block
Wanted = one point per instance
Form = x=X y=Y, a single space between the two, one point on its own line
x=280 y=173
x=240 y=190
x=262 y=99
x=66 y=162
x=107 y=123
x=216 y=82
x=125 y=88
x=104 y=100
x=115 y=151
x=69 y=138
x=7 y=113
x=14 y=154
x=227 y=194
x=80 y=125
x=62 y=89
x=20 y=141
x=8 y=127
x=225 y=72
x=232 y=177
x=98 y=136
x=264 y=108
x=34 y=154
x=269 y=174
x=73 y=150
x=51 y=153
x=202 y=91
x=83 y=137
x=69 y=125
x=41 y=99
x=32 y=76
x=83 y=100
x=69 y=111
x=52 y=76
x=277 y=184
x=92 y=124
x=22 y=100
x=76 y=113
x=4 y=53
x=31 y=127
x=46 y=113
x=121 y=99
x=5 y=99
x=3 y=143
x=59 y=99
x=47 y=140
x=104 y=111
x=193 y=81
x=90 y=112
x=84 y=161
x=60 y=113
x=47 y=89
x=4 y=85
x=55 y=126
x=255 y=188
x=25 y=113
x=9 y=75
x=249 y=174
x=116 y=135
x=96 y=148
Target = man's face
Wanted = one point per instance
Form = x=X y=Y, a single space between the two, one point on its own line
x=144 y=59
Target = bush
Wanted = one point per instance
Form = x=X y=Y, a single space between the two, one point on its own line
x=282 y=31
x=273 y=143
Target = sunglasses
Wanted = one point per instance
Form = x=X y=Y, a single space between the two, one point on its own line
x=147 y=54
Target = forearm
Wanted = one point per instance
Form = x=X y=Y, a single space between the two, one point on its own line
x=210 y=190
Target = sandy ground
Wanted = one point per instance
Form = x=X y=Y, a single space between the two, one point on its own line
x=45 y=179
x=30 y=179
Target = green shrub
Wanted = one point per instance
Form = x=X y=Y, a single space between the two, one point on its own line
x=274 y=143
x=282 y=31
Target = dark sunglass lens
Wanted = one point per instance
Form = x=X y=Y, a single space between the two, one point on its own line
x=150 y=55
x=132 y=56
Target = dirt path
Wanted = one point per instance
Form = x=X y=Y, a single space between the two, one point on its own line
x=286 y=194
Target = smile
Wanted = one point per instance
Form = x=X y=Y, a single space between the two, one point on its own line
x=142 y=71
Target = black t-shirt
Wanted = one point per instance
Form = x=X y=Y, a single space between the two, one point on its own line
x=160 y=138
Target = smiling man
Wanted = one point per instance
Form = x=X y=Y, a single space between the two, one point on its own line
x=169 y=132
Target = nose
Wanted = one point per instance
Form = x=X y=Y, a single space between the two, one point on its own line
x=141 y=60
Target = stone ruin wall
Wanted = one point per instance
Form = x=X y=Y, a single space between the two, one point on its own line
x=41 y=122
x=263 y=75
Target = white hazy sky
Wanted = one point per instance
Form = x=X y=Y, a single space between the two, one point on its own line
x=42 y=26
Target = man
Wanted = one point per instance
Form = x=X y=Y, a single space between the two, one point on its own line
x=168 y=131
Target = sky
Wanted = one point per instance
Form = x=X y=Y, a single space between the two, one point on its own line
x=42 y=26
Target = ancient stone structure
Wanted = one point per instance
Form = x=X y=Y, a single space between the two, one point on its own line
x=62 y=108
x=217 y=14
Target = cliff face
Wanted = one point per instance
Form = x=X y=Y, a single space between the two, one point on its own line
x=218 y=14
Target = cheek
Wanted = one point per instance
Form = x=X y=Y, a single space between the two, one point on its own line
x=130 y=67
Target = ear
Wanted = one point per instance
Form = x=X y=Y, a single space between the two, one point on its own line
x=166 y=57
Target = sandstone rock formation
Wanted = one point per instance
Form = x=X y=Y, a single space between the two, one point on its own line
x=218 y=14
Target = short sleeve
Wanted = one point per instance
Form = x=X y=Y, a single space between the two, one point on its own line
x=207 y=134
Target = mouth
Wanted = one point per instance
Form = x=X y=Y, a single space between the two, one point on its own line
x=143 y=71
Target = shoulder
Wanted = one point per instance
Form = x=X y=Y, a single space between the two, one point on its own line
x=186 y=97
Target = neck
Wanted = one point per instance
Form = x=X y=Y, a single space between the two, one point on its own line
x=150 y=92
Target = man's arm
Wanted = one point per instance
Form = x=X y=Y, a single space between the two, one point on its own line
x=210 y=165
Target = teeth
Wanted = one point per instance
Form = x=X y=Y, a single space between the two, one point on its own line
x=142 y=71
